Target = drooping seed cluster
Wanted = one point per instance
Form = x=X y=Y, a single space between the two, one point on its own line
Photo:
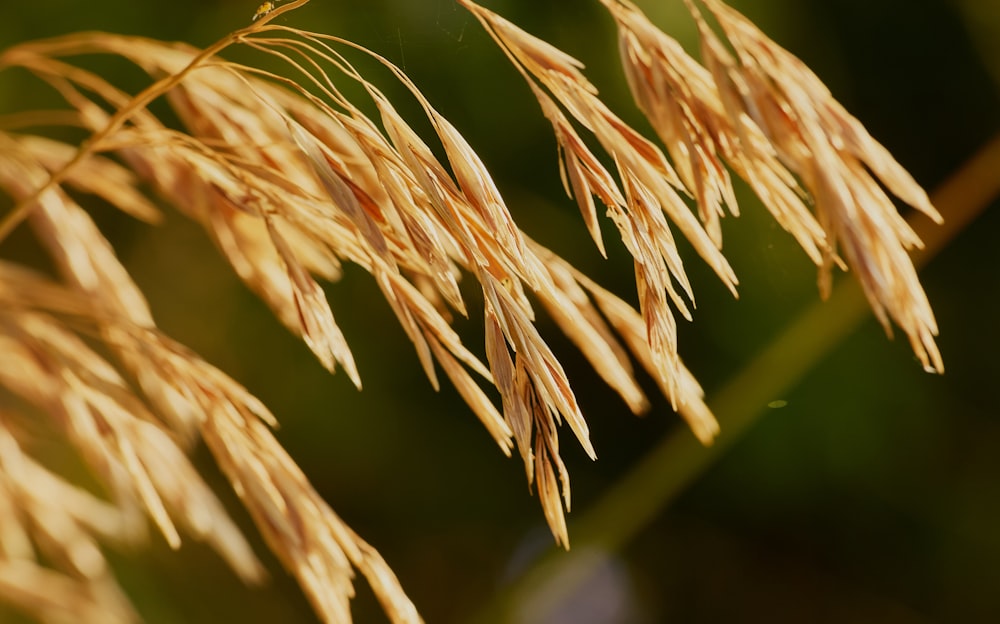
x=291 y=179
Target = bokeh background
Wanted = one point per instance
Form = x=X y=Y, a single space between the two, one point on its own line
x=872 y=495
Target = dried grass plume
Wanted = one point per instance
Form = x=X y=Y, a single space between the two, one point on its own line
x=292 y=180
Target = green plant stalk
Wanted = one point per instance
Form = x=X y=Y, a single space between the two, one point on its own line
x=638 y=498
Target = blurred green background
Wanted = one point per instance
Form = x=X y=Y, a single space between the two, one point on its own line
x=872 y=496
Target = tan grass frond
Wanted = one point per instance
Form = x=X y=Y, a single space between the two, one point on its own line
x=88 y=262
x=57 y=598
x=290 y=185
x=536 y=395
x=470 y=215
x=645 y=202
x=319 y=330
x=138 y=455
x=65 y=521
x=570 y=307
x=690 y=110
x=292 y=179
x=194 y=174
x=677 y=96
x=310 y=539
x=551 y=476
x=838 y=162
x=98 y=176
x=534 y=390
x=634 y=155
x=685 y=392
x=418 y=202
x=92 y=406
x=583 y=175
x=764 y=114
x=133 y=108
x=44 y=516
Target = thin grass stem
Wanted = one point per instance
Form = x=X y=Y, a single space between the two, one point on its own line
x=138 y=103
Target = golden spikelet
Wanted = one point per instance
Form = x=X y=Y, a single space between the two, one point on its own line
x=835 y=157
x=638 y=204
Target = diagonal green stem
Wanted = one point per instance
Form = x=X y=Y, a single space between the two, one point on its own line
x=637 y=499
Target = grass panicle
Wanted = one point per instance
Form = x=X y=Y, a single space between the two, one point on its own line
x=292 y=180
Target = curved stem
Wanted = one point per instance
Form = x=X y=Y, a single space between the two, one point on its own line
x=94 y=143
